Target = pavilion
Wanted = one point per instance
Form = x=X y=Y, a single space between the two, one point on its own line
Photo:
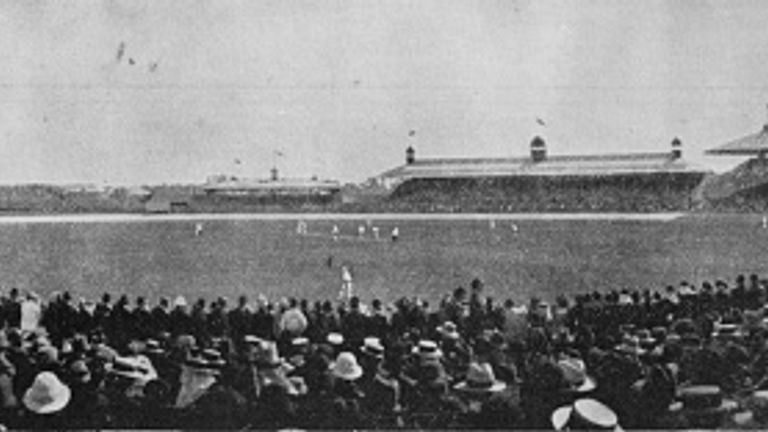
x=755 y=144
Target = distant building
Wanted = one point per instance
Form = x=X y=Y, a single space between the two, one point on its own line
x=274 y=190
x=168 y=200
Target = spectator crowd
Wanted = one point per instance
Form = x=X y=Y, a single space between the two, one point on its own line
x=652 y=193
x=686 y=356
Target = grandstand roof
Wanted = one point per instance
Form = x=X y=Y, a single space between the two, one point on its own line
x=553 y=165
x=753 y=144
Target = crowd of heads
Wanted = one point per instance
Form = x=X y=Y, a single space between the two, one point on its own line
x=648 y=193
x=685 y=356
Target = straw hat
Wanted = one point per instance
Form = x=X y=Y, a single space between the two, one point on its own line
x=180 y=301
x=346 y=367
x=214 y=358
x=703 y=405
x=727 y=332
x=575 y=372
x=335 y=339
x=47 y=394
x=152 y=346
x=449 y=330
x=480 y=379
x=646 y=339
x=300 y=343
x=427 y=350
x=252 y=340
x=138 y=368
x=585 y=414
x=372 y=346
x=630 y=345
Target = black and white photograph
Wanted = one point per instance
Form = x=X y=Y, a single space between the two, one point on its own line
x=383 y=214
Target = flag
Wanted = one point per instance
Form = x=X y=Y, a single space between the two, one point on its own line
x=412 y=133
x=120 y=51
x=540 y=121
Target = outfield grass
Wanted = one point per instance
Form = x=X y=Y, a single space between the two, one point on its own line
x=234 y=256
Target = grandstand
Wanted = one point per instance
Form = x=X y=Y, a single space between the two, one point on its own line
x=635 y=182
x=744 y=188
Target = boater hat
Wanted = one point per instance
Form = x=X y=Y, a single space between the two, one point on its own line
x=372 y=346
x=335 y=339
x=630 y=345
x=427 y=350
x=137 y=368
x=47 y=394
x=703 y=406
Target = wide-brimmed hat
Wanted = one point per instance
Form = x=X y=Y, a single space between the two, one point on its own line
x=647 y=341
x=630 y=345
x=138 y=368
x=727 y=332
x=300 y=343
x=346 y=367
x=293 y=321
x=372 y=346
x=252 y=340
x=213 y=357
x=180 y=301
x=575 y=373
x=153 y=347
x=449 y=330
x=585 y=414
x=427 y=350
x=480 y=379
x=703 y=405
x=47 y=394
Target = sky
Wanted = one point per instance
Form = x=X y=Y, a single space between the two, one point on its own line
x=165 y=91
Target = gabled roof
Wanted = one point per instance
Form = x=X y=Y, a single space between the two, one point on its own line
x=749 y=145
x=566 y=165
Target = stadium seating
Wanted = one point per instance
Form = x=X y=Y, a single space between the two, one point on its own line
x=636 y=193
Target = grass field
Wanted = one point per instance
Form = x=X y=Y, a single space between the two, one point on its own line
x=238 y=255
